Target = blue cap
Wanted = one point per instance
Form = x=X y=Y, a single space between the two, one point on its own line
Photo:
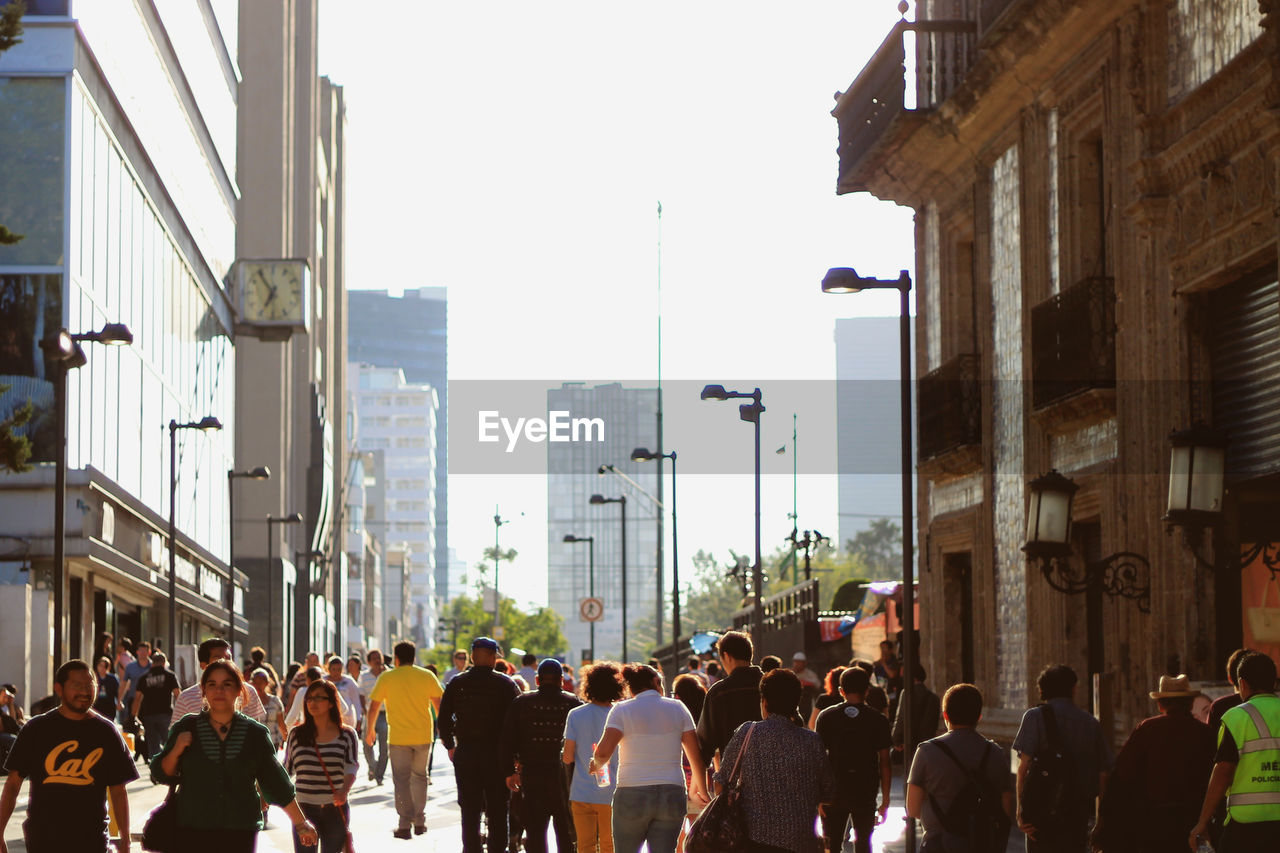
x=550 y=666
x=484 y=643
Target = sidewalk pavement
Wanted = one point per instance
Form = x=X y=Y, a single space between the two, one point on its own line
x=373 y=817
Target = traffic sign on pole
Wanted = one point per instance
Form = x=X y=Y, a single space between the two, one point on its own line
x=590 y=609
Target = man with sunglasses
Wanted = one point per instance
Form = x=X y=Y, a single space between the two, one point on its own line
x=459 y=665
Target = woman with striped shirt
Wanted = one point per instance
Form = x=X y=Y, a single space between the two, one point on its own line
x=321 y=755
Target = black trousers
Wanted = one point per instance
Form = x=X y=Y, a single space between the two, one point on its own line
x=1251 y=837
x=481 y=789
x=546 y=801
x=1071 y=836
x=833 y=825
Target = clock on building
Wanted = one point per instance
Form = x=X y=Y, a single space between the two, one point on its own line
x=275 y=294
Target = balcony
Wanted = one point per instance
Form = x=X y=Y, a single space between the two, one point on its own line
x=950 y=410
x=875 y=111
x=1073 y=354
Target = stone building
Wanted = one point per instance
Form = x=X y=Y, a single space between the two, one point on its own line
x=1095 y=192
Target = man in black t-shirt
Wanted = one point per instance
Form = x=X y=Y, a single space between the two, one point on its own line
x=857 y=741
x=74 y=758
x=158 y=689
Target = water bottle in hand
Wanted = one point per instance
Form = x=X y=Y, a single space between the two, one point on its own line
x=603 y=779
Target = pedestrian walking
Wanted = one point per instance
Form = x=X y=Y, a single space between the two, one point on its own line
x=784 y=770
x=158 y=690
x=1057 y=801
x=649 y=731
x=459 y=665
x=714 y=672
x=1246 y=766
x=532 y=746
x=857 y=741
x=321 y=756
x=347 y=687
x=75 y=760
x=123 y=657
x=1223 y=704
x=263 y=686
x=472 y=712
x=108 y=702
x=830 y=694
x=769 y=663
x=377 y=723
x=298 y=680
x=1154 y=793
x=731 y=701
x=137 y=664
x=312 y=674
x=529 y=668
x=410 y=694
x=258 y=660
x=925 y=710
x=692 y=693
x=221 y=759
x=694 y=667
x=810 y=681
x=190 y=701
x=590 y=802
x=958 y=784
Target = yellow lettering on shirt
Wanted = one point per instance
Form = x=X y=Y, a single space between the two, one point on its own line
x=72 y=771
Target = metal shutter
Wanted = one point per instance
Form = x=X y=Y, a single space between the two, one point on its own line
x=1245 y=359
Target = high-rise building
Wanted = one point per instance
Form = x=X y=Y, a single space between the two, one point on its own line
x=118 y=126
x=398 y=418
x=868 y=413
x=411 y=332
x=629 y=420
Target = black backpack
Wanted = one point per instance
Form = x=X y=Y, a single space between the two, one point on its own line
x=1051 y=781
x=976 y=816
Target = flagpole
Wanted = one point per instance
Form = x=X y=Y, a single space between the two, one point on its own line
x=661 y=597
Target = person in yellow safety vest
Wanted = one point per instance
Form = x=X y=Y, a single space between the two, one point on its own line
x=1247 y=765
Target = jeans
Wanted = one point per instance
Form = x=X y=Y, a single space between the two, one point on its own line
x=545 y=801
x=833 y=826
x=652 y=813
x=157 y=729
x=593 y=824
x=378 y=768
x=330 y=824
x=409 y=776
x=481 y=788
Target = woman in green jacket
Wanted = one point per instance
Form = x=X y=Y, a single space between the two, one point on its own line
x=216 y=757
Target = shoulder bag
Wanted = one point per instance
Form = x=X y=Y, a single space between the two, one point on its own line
x=722 y=826
x=349 y=846
x=160 y=833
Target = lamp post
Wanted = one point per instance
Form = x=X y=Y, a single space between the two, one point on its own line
x=498 y=521
x=591 y=580
x=64 y=350
x=846 y=280
x=206 y=424
x=749 y=412
x=295 y=518
x=642 y=454
x=260 y=473
x=597 y=500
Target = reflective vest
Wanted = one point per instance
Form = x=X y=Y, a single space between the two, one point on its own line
x=1254 y=795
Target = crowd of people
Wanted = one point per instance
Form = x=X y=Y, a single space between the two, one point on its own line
x=614 y=759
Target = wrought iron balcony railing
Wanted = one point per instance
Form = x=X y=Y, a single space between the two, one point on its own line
x=942 y=52
x=950 y=401
x=1073 y=342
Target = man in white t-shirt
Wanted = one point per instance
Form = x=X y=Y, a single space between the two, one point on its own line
x=296 y=715
x=377 y=766
x=347 y=687
x=649 y=732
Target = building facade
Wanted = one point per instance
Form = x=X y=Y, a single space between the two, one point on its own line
x=1094 y=186
x=118 y=126
x=629 y=416
x=398 y=419
x=411 y=332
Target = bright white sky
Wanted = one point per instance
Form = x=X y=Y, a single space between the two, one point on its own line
x=515 y=153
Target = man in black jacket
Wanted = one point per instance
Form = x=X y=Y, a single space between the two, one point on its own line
x=734 y=699
x=533 y=735
x=472 y=712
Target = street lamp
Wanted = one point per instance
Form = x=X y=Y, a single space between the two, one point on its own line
x=597 y=500
x=206 y=424
x=295 y=518
x=847 y=280
x=642 y=454
x=64 y=350
x=749 y=412
x=260 y=473
x=498 y=521
x=591 y=579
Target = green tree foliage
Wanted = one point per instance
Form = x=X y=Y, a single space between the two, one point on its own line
x=537 y=630
x=15 y=449
x=879 y=547
x=11 y=24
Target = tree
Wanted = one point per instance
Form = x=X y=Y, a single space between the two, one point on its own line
x=537 y=630
x=15 y=449
x=879 y=546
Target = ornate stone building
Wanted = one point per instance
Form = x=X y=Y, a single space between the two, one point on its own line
x=1095 y=183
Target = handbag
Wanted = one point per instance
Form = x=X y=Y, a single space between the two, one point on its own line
x=160 y=833
x=350 y=844
x=722 y=826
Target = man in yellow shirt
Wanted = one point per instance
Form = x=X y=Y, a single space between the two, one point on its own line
x=411 y=695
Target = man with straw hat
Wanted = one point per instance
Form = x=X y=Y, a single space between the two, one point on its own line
x=1153 y=795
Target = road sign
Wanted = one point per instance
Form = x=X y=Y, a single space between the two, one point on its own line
x=590 y=609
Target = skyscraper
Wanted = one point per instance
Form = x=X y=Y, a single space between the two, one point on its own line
x=411 y=332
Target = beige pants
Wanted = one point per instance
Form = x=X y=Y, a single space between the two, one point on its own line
x=594 y=826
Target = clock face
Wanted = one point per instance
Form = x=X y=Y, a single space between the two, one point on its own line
x=273 y=292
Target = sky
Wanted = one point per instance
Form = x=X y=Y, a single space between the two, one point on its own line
x=516 y=153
